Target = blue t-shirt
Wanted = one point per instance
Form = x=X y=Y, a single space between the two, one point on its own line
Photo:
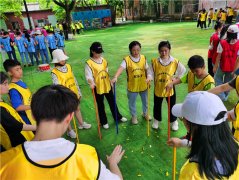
x=6 y=44
x=30 y=45
x=16 y=100
x=60 y=40
x=51 y=41
x=20 y=44
x=41 y=42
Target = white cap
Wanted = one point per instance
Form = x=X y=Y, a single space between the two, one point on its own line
x=233 y=29
x=202 y=108
x=38 y=32
x=58 y=56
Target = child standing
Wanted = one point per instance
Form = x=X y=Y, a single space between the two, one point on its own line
x=41 y=42
x=22 y=50
x=19 y=93
x=213 y=43
x=13 y=130
x=96 y=73
x=203 y=19
x=138 y=77
x=164 y=68
x=60 y=40
x=62 y=74
x=226 y=62
x=8 y=45
x=30 y=44
x=51 y=39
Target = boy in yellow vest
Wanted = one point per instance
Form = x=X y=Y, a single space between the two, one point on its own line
x=48 y=156
x=63 y=74
x=20 y=95
x=203 y=18
x=223 y=17
x=210 y=16
x=13 y=130
x=197 y=79
x=214 y=18
x=233 y=115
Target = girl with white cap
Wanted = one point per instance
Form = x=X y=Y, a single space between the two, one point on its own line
x=62 y=74
x=214 y=151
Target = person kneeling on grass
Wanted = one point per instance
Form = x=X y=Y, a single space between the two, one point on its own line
x=48 y=156
x=214 y=151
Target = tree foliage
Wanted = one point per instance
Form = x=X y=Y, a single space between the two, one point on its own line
x=10 y=6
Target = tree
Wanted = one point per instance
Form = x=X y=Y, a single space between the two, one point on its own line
x=10 y=6
x=115 y=5
x=68 y=6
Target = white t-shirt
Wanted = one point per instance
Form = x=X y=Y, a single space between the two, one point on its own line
x=59 y=148
x=180 y=69
x=123 y=65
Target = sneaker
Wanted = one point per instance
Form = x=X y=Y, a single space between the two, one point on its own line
x=134 y=120
x=106 y=126
x=71 y=134
x=174 y=125
x=155 y=124
x=147 y=117
x=85 y=125
x=123 y=119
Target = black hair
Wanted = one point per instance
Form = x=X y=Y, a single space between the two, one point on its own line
x=231 y=36
x=132 y=44
x=9 y=63
x=18 y=33
x=217 y=25
x=224 y=30
x=196 y=61
x=53 y=102
x=210 y=143
x=164 y=44
x=27 y=35
x=3 y=77
x=5 y=33
x=94 y=47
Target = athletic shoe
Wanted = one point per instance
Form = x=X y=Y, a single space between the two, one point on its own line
x=123 y=119
x=147 y=117
x=155 y=124
x=85 y=125
x=106 y=126
x=174 y=125
x=71 y=134
x=134 y=120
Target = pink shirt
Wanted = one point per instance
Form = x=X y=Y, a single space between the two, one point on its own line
x=11 y=35
x=44 y=32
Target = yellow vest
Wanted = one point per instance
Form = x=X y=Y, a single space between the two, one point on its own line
x=81 y=25
x=162 y=76
x=101 y=76
x=46 y=27
x=26 y=97
x=5 y=140
x=83 y=164
x=235 y=123
x=230 y=12
x=223 y=16
x=67 y=79
x=237 y=85
x=214 y=17
x=203 y=17
x=72 y=26
x=60 y=27
x=198 y=87
x=189 y=171
x=77 y=26
x=136 y=74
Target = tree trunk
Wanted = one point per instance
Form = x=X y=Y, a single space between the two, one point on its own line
x=68 y=20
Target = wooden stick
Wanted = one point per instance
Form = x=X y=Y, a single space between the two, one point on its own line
x=148 y=129
x=96 y=114
x=77 y=137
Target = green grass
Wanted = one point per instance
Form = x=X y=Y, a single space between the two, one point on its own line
x=145 y=157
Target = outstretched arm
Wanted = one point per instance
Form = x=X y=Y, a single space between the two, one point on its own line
x=220 y=89
x=117 y=74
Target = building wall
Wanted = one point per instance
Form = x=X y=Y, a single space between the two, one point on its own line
x=218 y=4
x=34 y=15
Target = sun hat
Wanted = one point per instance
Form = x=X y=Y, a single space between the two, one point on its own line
x=202 y=108
x=38 y=32
x=96 y=47
x=233 y=29
x=58 y=56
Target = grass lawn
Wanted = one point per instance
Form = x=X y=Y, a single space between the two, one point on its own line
x=145 y=157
